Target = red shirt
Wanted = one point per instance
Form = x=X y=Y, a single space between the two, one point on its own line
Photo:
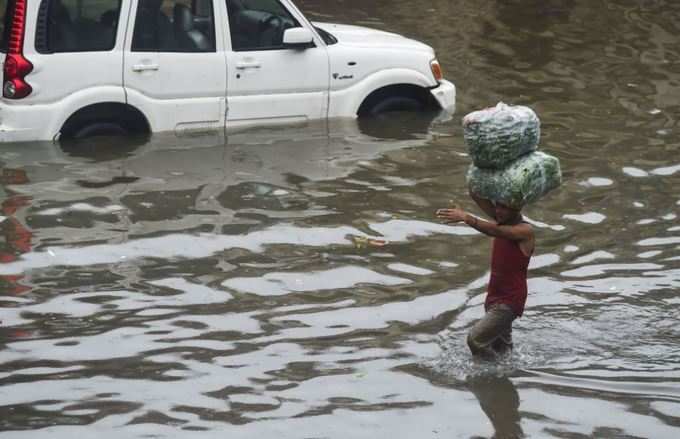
x=508 y=281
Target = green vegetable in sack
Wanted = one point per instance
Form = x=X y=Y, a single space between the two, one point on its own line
x=499 y=135
x=523 y=181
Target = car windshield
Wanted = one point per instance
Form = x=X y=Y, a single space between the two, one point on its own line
x=4 y=24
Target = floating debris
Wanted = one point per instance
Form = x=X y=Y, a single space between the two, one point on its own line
x=364 y=241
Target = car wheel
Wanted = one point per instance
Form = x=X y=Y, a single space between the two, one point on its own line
x=100 y=129
x=396 y=103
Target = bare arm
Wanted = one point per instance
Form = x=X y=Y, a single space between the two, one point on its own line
x=523 y=233
x=515 y=232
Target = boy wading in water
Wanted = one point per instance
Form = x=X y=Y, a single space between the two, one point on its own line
x=513 y=244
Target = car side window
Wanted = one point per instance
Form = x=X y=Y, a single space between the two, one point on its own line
x=174 y=26
x=258 y=24
x=77 y=25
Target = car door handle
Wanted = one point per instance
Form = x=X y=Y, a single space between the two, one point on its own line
x=144 y=67
x=248 y=65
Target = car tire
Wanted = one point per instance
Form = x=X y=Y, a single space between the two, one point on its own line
x=95 y=129
x=396 y=103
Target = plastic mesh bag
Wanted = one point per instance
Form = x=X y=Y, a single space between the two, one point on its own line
x=523 y=181
x=498 y=135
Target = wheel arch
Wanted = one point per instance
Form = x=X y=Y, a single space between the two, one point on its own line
x=124 y=114
x=346 y=102
x=408 y=90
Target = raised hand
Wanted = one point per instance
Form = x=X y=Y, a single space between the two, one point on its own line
x=451 y=215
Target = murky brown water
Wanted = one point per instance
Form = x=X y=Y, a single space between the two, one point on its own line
x=213 y=287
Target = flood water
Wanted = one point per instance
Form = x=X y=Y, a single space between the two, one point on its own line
x=294 y=283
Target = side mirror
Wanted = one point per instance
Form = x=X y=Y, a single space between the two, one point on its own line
x=298 y=38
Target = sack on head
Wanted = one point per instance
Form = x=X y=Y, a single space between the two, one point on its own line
x=522 y=182
x=498 y=135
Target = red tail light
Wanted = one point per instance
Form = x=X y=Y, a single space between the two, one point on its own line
x=16 y=66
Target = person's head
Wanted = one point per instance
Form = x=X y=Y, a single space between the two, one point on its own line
x=506 y=214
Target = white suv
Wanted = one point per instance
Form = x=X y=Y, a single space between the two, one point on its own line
x=79 y=68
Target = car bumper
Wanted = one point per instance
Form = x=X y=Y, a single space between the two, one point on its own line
x=26 y=123
x=445 y=94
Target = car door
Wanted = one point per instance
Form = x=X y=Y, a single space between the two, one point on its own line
x=268 y=82
x=174 y=64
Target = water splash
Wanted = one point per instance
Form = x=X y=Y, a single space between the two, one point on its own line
x=456 y=362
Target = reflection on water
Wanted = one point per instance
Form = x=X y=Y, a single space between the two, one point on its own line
x=293 y=282
x=499 y=400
